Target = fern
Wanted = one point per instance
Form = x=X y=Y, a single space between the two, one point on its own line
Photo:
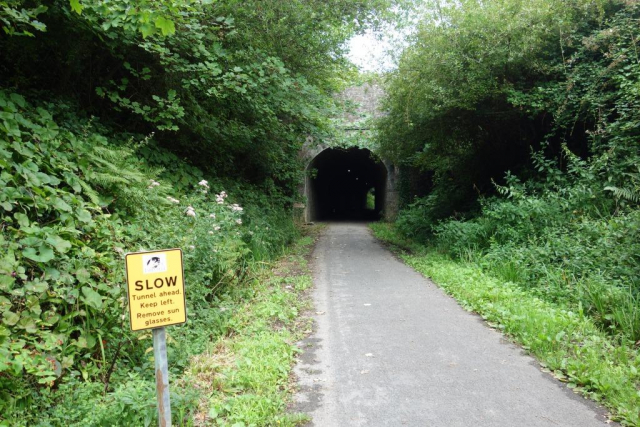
x=624 y=193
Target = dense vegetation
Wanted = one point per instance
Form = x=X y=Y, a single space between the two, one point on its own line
x=516 y=125
x=523 y=121
x=127 y=126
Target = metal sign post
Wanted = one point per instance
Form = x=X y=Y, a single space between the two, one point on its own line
x=162 y=377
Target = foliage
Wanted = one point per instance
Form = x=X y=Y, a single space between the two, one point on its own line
x=73 y=202
x=235 y=86
x=246 y=374
x=472 y=94
x=17 y=19
x=560 y=81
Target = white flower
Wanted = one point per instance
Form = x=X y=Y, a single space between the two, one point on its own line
x=190 y=211
x=212 y=216
x=172 y=200
x=239 y=221
x=192 y=247
x=236 y=208
x=153 y=183
x=210 y=232
x=204 y=184
x=217 y=228
x=251 y=233
x=220 y=197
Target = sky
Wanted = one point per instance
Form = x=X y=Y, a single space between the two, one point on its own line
x=370 y=53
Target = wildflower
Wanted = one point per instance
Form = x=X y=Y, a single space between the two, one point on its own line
x=153 y=183
x=192 y=247
x=190 y=211
x=236 y=208
x=172 y=200
x=217 y=228
x=220 y=197
x=239 y=221
x=212 y=216
x=251 y=233
x=204 y=184
x=210 y=232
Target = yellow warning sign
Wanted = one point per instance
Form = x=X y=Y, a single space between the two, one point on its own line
x=155 y=284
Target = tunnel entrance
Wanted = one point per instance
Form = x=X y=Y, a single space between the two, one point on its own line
x=346 y=184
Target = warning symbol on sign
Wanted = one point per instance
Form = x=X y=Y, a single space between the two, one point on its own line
x=154 y=263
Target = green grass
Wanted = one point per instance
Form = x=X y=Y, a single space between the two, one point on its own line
x=245 y=376
x=566 y=342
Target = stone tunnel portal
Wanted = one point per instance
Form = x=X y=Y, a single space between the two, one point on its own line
x=345 y=184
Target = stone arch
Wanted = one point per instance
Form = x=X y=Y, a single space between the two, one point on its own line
x=339 y=182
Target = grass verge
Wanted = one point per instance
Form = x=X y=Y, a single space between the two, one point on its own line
x=567 y=343
x=244 y=378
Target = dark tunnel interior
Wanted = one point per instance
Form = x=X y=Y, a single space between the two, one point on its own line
x=346 y=184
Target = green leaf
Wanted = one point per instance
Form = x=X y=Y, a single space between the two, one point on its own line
x=10 y=318
x=43 y=254
x=83 y=216
x=147 y=30
x=61 y=245
x=6 y=282
x=86 y=341
x=28 y=324
x=49 y=318
x=36 y=286
x=18 y=99
x=166 y=26
x=92 y=298
x=82 y=275
x=23 y=220
x=61 y=205
x=76 y=6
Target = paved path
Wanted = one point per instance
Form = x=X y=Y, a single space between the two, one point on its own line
x=391 y=349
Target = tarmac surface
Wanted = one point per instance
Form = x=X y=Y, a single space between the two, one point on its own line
x=389 y=348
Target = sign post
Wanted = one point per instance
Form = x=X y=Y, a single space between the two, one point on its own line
x=162 y=377
x=155 y=285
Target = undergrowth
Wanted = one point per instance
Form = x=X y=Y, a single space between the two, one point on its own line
x=75 y=196
x=566 y=340
x=245 y=376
